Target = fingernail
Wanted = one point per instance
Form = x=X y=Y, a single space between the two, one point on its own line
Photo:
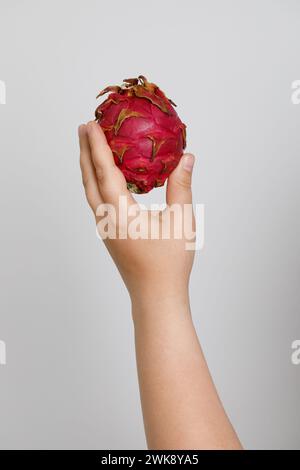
x=188 y=162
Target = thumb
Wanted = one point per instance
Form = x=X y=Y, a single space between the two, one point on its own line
x=179 y=183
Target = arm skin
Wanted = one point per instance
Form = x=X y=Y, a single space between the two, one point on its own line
x=180 y=404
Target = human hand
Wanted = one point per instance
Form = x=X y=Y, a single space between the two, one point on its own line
x=180 y=404
x=149 y=267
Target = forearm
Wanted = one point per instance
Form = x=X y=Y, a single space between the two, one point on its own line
x=180 y=404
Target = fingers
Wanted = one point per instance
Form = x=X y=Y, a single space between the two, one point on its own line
x=101 y=153
x=111 y=181
x=89 y=178
x=179 y=182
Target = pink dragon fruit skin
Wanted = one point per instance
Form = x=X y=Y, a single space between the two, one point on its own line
x=144 y=132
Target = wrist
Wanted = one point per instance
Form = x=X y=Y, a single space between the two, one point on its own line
x=160 y=303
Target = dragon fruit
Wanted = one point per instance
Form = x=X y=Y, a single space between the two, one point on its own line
x=144 y=132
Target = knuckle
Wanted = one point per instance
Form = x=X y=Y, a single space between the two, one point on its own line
x=85 y=180
x=89 y=196
x=81 y=161
x=183 y=183
x=99 y=173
